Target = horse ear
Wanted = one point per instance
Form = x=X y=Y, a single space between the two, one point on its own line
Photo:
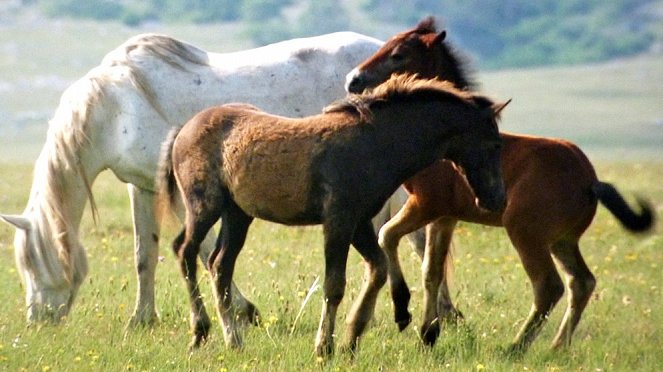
x=439 y=39
x=498 y=107
x=17 y=221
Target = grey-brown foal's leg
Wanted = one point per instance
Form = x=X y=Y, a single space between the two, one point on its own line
x=235 y=224
x=186 y=247
x=365 y=242
x=337 y=244
x=580 y=283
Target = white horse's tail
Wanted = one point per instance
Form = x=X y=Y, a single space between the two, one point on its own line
x=166 y=184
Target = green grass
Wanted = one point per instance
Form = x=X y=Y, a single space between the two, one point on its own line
x=612 y=110
x=621 y=330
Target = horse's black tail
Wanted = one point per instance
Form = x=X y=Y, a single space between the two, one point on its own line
x=165 y=179
x=615 y=203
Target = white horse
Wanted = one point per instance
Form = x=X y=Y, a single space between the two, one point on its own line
x=116 y=118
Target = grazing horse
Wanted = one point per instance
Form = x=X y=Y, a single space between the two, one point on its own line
x=116 y=118
x=338 y=168
x=552 y=193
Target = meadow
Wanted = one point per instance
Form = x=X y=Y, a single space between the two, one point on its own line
x=613 y=110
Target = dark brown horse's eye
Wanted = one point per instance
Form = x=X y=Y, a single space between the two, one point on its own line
x=398 y=57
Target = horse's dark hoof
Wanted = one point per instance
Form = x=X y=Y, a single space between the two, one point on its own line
x=196 y=342
x=403 y=320
x=253 y=314
x=324 y=351
x=430 y=334
x=514 y=351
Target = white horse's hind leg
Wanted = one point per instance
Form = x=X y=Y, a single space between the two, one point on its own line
x=146 y=244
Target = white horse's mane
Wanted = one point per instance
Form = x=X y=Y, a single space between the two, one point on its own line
x=116 y=116
x=67 y=134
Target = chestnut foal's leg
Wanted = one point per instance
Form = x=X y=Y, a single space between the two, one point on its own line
x=580 y=283
x=409 y=218
x=439 y=233
x=437 y=302
x=366 y=243
x=547 y=285
x=235 y=224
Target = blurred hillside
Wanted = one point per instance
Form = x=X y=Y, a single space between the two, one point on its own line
x=497 y=33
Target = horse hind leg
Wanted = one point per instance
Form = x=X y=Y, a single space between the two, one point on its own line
x=235 y=225
x=547 y=286
x=186 y=247
x=247 y=312
x=437 y=301
x=581 y=284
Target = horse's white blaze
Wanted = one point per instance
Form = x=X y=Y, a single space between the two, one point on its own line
x=116 y=118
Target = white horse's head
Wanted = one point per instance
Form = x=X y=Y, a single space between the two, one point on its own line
x=51 y=279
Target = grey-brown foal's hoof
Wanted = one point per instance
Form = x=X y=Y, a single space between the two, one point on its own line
x=253 y=314
x=403 y=320
x=324 y=350
x=197 y=341
x=430 y=333
x=514 y=351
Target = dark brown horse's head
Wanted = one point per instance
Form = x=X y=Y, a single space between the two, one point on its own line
x=421 y=50
x=478 y=152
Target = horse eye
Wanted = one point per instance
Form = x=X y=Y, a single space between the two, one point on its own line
x=397 y=57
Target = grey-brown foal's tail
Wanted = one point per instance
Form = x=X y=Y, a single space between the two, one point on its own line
x=166 y=186
x=615 y=203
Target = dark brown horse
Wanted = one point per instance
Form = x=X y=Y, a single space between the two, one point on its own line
x=337 y=169
x=552 y=193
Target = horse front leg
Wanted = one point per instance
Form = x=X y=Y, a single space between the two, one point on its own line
x=146 y=251
x=365 y=242
x=337 y=245
x=409 y=218
x=235 y=224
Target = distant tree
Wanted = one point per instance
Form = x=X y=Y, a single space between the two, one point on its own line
x=263 y=20
x=321 y=17
x=95 y=9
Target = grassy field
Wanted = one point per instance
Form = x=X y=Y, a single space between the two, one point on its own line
x=621 y=330
x=612 y=110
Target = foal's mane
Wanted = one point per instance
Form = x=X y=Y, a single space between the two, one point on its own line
x=402 y=88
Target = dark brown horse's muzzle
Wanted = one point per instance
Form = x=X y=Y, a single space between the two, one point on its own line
x=493 y=201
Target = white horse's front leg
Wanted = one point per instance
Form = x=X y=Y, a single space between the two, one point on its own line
x=146 y=245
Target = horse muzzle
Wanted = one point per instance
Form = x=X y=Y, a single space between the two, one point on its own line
x=355 y=82
x=494 y=202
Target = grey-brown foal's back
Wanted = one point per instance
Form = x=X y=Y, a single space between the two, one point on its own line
x=337 y=169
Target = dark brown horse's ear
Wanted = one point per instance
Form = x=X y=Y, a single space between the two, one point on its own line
x=499 y=106
x=439 y=39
